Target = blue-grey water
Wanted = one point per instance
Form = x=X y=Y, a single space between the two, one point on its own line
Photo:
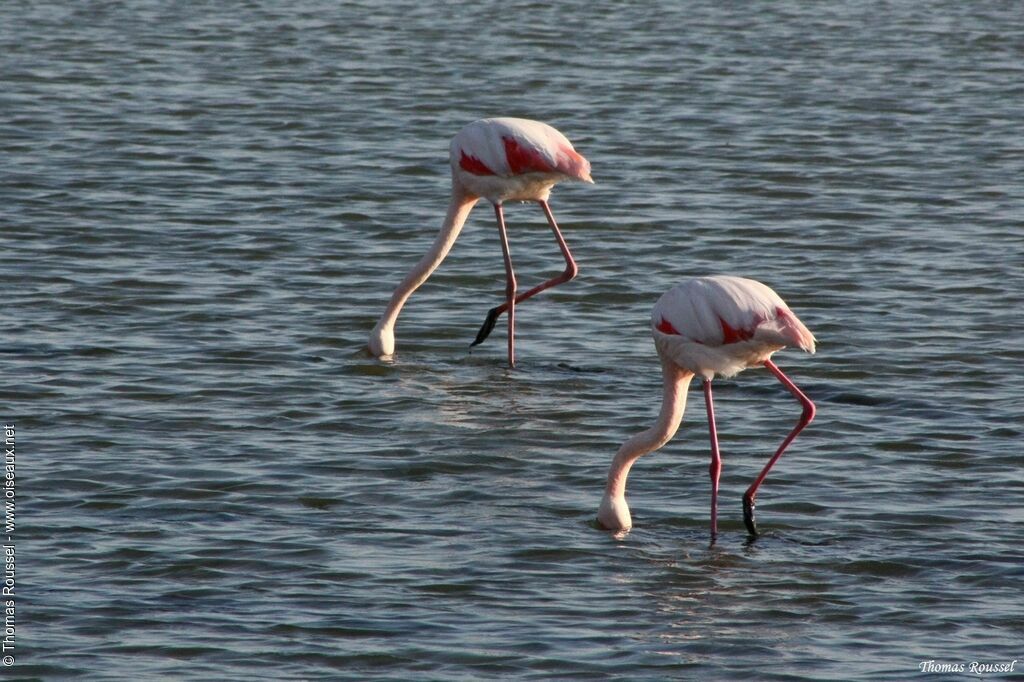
x=205 y=206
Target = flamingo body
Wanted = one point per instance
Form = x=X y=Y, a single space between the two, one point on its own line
x=498 y=159
x=720 y=325
x=709 y=326
x=514 y=159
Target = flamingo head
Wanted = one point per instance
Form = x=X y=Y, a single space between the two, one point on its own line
x=382 y=341
x=613 y=514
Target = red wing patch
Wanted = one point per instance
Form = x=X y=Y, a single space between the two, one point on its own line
x=524 y=160
x=473 y=165
x=665 y=327
x=733 y=335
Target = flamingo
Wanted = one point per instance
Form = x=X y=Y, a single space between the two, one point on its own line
x=710 y=326
x=498 y=159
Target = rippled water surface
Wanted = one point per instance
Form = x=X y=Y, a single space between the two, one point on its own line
x=205 y=207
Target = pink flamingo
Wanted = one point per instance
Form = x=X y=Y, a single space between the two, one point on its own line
x=499 y=159
x=708 y=326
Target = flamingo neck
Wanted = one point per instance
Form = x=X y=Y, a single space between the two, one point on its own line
x=458 y=211
x=675 y=387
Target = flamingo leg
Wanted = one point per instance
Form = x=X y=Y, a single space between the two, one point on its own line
x=510 y=285
x=805 y=419
x=715 y=470
x=570 y=272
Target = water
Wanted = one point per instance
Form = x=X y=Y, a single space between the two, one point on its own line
x=206 y=206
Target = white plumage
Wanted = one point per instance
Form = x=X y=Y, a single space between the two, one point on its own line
x=514 y=159
x=723 y=324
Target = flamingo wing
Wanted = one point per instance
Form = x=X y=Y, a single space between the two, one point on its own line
x=513 y=146
x=722 y=310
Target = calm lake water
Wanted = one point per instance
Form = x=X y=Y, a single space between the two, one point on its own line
x=205 y=209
